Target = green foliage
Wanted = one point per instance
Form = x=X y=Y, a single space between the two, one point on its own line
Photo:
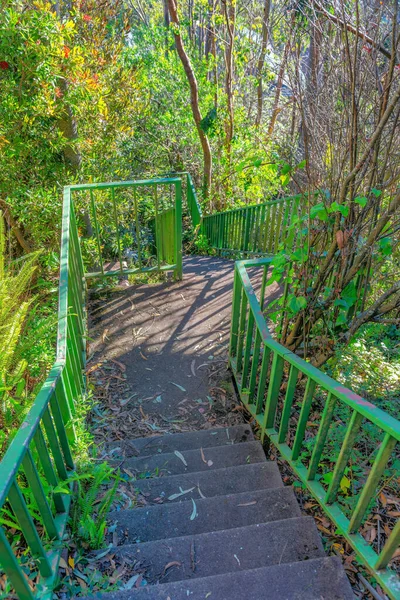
x=14 y=305
x=92 y=502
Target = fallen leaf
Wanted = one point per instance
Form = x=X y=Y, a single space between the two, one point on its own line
x=180 y=387
x=194 y=512
x=63 y=564
x=173 y=563
x=71 y=562
x=181 y=457
x=181 y=493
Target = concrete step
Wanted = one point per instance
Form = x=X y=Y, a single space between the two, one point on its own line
x=190 y=461
x=226 y=551
x=160 y=522
x=217 y=482
x=205 y=438
x=317 y=579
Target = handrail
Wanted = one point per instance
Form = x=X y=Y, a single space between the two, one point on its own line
x=48 y=457
x=166 y=231
x=253 y=229
x=260 y=365
x=40 y=455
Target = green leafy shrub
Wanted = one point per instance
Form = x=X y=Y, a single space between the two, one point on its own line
x=92 y=503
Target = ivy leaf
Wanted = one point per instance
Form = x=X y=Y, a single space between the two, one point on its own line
x=319 y=212
x=335 y=207
x=361 y=200
x=345 y=484
x=341 y=302
x=376 y=192
x=297 y=303
x=385 y=246
x=342 y=318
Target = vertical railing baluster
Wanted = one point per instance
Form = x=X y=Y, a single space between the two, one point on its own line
x=267 y=227
x=48 y=468
x=35 y=486
x=262 y=382
x=323 y=430
x=242 y=325
x=139 y=251
x=374 y=476
x=21 y=512
x=392 y=543
x=287 y=404
x=247 y=350
x=345 y=451
x=303 y=418
x=61 y=432
x=96 y=228
x=114 y=203
x=178 y=229
x=275 y=381
x=254 y=366
x=54 y=445
x=237 y=292
x=263 y=286
x=13 y=571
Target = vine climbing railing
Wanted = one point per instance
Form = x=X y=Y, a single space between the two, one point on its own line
x=280 y=390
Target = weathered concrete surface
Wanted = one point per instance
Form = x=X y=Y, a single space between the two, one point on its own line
x=317 y=579
x=167 y=335
x=205 y=438
x=207 y=514
x=192 y=461
x=229 y=480
x=231 y=550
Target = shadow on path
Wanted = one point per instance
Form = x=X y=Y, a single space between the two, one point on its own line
x=169 y=336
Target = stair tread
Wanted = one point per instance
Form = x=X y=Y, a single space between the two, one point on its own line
x=225 y=551
x=163 y=521
x=198 y=459
x=218 y=482
x=316 y=579
x=204 y=438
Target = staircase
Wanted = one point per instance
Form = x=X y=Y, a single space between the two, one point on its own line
x=214 y=521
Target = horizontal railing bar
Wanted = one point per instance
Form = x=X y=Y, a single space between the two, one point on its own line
x=254 y=206
x=114 y=184
x=129 y=271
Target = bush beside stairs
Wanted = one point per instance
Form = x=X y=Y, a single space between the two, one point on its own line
x=226 y=528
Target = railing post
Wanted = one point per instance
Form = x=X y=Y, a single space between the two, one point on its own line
x=178 y=228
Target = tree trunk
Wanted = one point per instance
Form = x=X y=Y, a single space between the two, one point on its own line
x=279 y=84
x=230 y=19
x=194 y=98
x=261 y=60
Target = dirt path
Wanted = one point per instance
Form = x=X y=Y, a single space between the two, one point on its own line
x=162 y=349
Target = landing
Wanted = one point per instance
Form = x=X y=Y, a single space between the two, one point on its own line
x=158 y=353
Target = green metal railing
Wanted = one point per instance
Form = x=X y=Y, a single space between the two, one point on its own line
x=40 y=453
x=39 y=459
x=254 y=229
x=193 y=202
x=262 y=369
x=120 y=213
